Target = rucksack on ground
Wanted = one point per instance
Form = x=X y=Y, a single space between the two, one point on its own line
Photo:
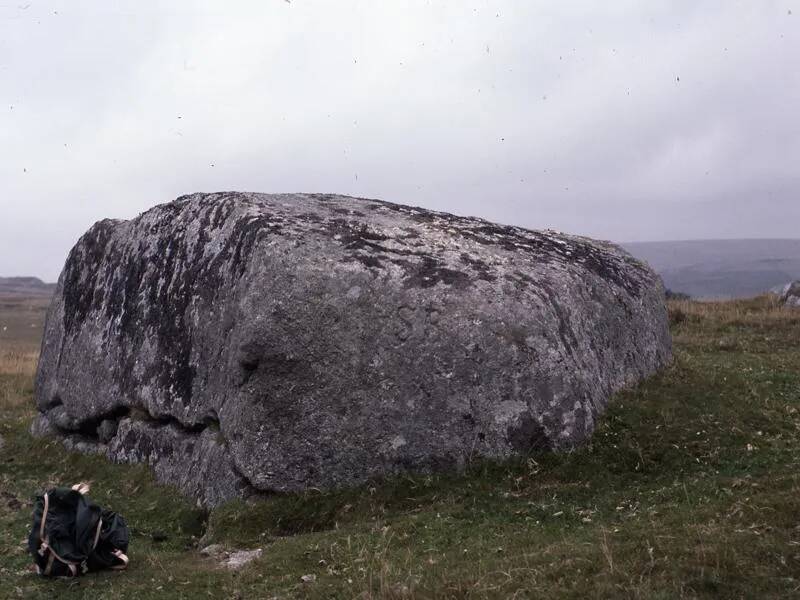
x=71 y=535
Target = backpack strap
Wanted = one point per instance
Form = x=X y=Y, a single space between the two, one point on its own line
x=45 y=547
x=44 y=516
x=123 y=557
x=97 y=534
x=73 y=568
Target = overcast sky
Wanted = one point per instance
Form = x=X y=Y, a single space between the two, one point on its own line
x=634 y=121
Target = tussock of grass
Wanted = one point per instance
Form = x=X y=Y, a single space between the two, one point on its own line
x=17 y=369
x=689 y=488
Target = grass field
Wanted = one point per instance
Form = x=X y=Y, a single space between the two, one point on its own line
x=21 y=322
x=690 y=488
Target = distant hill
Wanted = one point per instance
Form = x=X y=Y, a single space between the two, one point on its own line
x=31 y=287
x=722 y=268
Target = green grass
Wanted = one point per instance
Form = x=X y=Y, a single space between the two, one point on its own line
x=690 y=488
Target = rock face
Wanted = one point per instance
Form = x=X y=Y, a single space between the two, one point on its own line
x=242 y=343
x=790 y=295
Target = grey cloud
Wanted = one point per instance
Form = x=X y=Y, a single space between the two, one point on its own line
x=632 y=121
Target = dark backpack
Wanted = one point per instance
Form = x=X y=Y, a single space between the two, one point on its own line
x=71 y=535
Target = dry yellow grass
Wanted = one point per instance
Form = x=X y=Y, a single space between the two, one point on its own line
x=764 y=310
x=18 y=362
x=17 y=370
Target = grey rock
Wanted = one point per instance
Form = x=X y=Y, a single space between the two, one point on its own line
x=213 y=550
x=791 y=295
x=77 y=443
x=198 y=464
x=42 y=427
x=281 y=342
x=61 y=419
x=106 y=430
x=233 y=560
x=237 y=560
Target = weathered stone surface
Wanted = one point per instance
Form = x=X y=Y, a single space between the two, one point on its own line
x=42 y=427
x=198 y=463
x=791 y=295
x=213 y=551
x=78 y=443
x=236 y=560
x=248 y=342
x=233 y=560
x=107 y=430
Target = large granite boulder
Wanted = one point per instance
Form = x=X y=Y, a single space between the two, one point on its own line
x=790 y=295
x=245 y=342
